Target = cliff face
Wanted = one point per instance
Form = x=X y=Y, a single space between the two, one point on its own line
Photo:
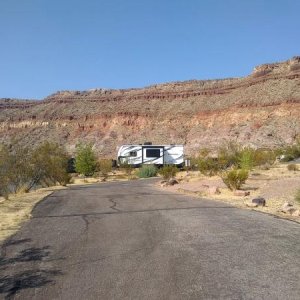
x=262 y=109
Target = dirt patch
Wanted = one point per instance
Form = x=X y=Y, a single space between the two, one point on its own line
x=17 y=209
x=277 y=186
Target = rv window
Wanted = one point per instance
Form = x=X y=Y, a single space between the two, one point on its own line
x=133 y=153
x=152 y=152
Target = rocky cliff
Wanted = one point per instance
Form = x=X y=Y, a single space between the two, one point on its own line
x=262 y=109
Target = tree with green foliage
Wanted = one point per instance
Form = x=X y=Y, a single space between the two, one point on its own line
x=85 y=160
x=50 y=164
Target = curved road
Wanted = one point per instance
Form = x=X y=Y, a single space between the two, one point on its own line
x=133 y=241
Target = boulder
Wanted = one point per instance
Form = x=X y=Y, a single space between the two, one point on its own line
x=214 y=190
x=163 y=183
x=260 y=201
x=172 y=181
x=241 y=193
x=251 y=204
x=292 y=211
x=286 y=207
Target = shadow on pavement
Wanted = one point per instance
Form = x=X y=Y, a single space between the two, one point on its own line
x=26 y=263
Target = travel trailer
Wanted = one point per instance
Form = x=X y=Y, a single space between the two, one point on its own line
x=159 y=155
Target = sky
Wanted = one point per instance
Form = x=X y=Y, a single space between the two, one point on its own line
x=51 y=45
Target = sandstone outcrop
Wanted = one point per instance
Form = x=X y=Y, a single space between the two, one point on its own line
x=262 y=110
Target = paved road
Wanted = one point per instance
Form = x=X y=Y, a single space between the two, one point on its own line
x=132 y=241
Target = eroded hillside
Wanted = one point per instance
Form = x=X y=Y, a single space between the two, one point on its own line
x=262 y=109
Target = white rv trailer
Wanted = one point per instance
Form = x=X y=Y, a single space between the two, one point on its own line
x=137 y=155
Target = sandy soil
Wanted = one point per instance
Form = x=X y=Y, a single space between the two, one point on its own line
x=18 y=208
x=276 y=185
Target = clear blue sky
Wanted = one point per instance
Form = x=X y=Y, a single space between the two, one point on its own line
x=50 y=45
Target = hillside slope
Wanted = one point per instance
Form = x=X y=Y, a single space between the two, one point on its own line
x=262 y=109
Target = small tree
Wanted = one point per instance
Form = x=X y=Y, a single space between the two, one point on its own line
x=50 y=165
x=85 y=160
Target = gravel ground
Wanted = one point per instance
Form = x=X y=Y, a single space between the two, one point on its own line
x=276 y=185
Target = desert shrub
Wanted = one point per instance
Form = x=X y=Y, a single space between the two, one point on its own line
x=127 y=168
x=208 y=166
x=49 y=165
x=17 y=168
x=85 y=160
x=235 y=178
x=290 y=152
x=204 y=152
x=168 y=171
x=22 y=169
x=147 y=171
x=292 y=167
x=264 y=157
x=228 y=155
x=246 y=158
x=297 y=196
x=105 y=166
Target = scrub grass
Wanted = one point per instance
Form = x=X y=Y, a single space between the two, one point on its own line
x=18 y=208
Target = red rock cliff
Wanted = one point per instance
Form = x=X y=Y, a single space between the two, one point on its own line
x=262 y=109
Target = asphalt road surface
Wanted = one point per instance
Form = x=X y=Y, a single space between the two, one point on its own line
x=133 y=241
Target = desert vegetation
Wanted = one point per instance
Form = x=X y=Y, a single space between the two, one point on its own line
x=22 y=169
x=168 y=171
x=147 y=171
x=246 y=177
x=233 y=162
x=85 y=160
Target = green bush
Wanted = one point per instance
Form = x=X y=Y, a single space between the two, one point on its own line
x=292 y=167
x=246 y=158
x=208 y=166
x=147 y=171
x=168 y=171
x=235 y=178
x=85 y=160
x=264 y=157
